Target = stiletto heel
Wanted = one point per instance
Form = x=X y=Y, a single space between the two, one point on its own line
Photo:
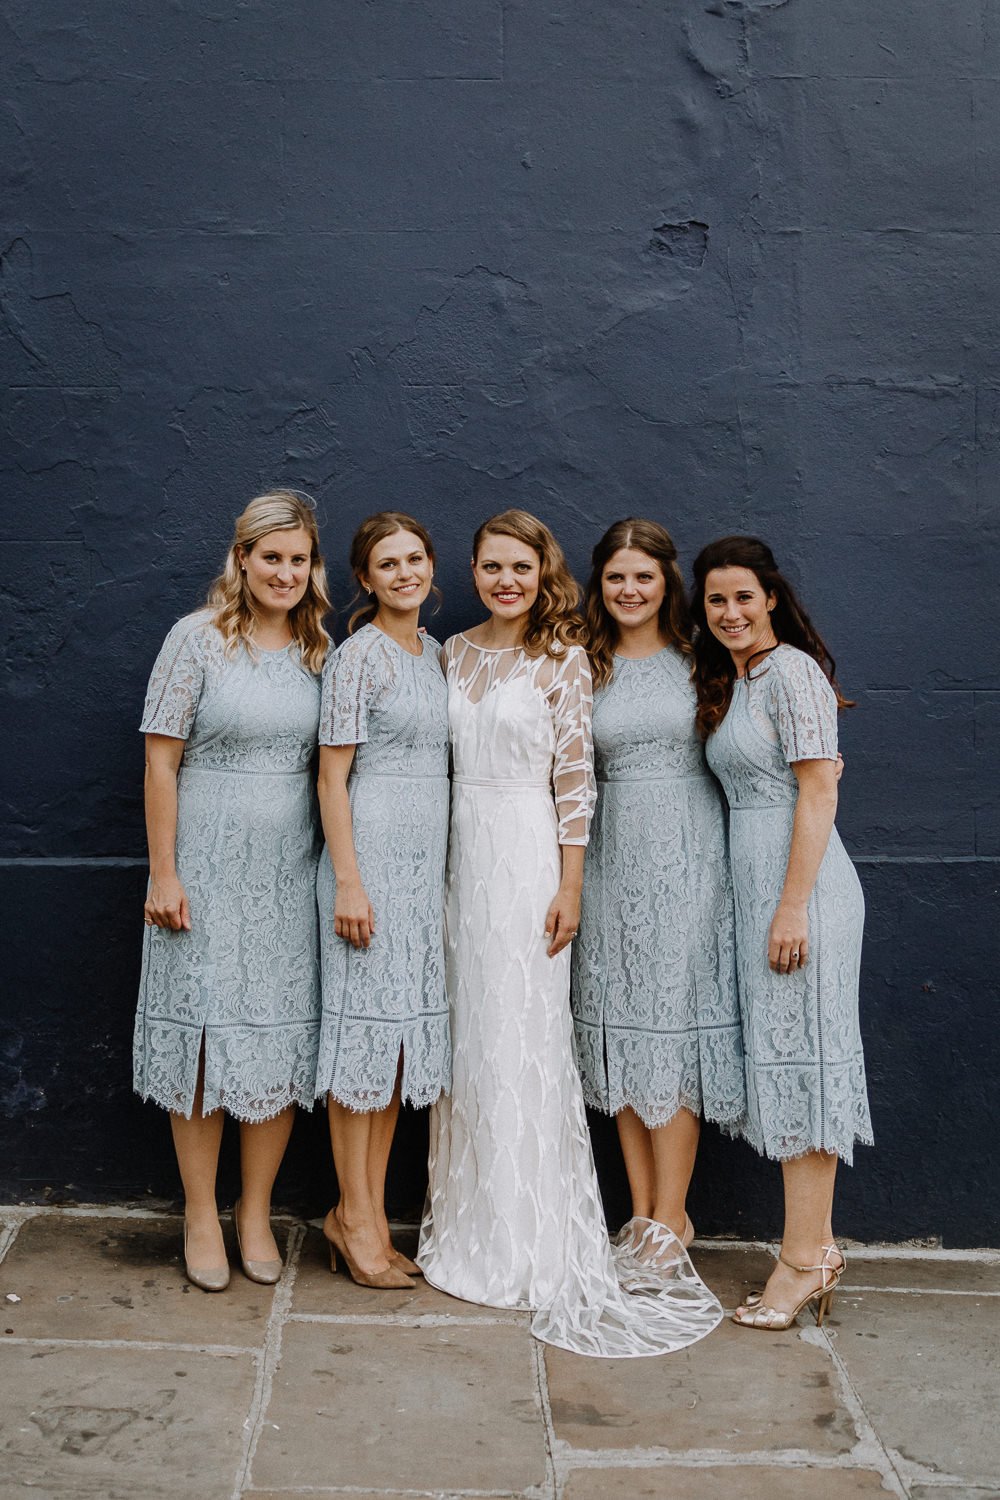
x=206 y=1278
x=391 y=1279
x=772 y=1319
x=266 y=1272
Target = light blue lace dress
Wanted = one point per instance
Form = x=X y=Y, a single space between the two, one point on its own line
x=246 y=976
x=391 y=995
x=654 y=966
x=805 y=1068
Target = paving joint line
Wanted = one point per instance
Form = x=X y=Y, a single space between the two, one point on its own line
x=703 y=1458
x=869 y=1442
x=8 y=1234
x=152 y=1346
x=268 y=1362
x=552 y=1488
x=407 y=1320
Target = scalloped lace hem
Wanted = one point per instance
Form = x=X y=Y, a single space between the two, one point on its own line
x=844 y=1149
x=733 y=1122
x=247 y=1112
x=373 y=1104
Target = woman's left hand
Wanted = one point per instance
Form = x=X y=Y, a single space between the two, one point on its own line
x=562 y=920
x=788 y=940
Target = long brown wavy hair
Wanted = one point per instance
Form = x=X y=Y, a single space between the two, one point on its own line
x=554 y=620
x=234 y=609
x=714 y=668
x=368 y=535
x=674 y=617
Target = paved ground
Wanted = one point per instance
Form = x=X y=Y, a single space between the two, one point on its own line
x=119 y=1380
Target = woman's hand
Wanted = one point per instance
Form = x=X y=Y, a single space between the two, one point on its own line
x=788 y=940
x=353 y=917
x=562 y=919
x=167 y=905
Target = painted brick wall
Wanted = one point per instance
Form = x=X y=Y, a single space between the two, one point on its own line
x=732 y=265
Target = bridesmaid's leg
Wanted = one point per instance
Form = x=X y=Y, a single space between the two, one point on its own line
x=262 y=1147
x=674 y=1147
x=380 y=1145
x=640 y=1167
x=196 y=1144
x=350 y=1138
x=809 y=1182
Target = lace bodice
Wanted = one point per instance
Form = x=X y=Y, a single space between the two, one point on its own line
x=518 y=718
x=644 y=720
x=784 y=711
x=223 y=707
x=388 y=703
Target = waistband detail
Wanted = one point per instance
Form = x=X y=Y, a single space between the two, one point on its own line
x=501 y=785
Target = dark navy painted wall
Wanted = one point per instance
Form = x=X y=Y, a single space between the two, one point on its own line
x=728 y=264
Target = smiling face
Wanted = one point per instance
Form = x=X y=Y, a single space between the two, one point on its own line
x=738 y=612
x=507 y=573
x=399 y=572
x=633 y=588
x=276 y=568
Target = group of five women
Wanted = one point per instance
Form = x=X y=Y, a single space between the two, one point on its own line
x=456 y=944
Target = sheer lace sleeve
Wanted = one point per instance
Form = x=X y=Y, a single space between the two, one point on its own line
x=177 y=678
x=570 y=695
x=803 y=707
x=355 y=678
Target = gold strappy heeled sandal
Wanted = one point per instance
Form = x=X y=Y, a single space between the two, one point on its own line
x=773 y=1319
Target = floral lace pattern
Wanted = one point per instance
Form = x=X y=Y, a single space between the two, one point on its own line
x=805 y=1069
x=391 y=995
x=654 y=966
x=245 y=978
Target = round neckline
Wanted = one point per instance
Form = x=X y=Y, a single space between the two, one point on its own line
x=495 y=649
x=414 y=655
x=637 y=660
x=272 y=650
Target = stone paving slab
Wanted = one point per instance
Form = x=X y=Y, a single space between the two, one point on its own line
x=121 y=1423
x=923 y=1274
x=732 y=1271
x=926 y=1372
x=725 y=1483
x=99 y=1278
x=739 y=1390
x=317 y=1291
x=403 y=1408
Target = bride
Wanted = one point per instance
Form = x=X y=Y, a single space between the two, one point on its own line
x=514 y=1216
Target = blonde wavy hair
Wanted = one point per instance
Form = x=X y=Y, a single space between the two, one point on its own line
x=675 y=617
x=234 y=610
x=554 y=621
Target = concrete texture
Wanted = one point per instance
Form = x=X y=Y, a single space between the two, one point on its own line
x=731 y=265
x=118 y=1380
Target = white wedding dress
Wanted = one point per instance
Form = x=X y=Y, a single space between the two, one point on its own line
x=514 y=1217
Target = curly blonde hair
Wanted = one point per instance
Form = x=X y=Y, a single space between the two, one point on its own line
x=675 y=617
x=230 y=599
x=554 y=621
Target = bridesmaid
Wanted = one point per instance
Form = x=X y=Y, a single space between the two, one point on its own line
x=767 y=706
x=228 y=1016
x=383 y=789
x=654 y=979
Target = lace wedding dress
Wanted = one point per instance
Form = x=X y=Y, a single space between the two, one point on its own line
x=514 y=1216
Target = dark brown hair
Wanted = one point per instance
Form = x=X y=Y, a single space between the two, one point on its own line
x=368 y=535
x=675 y=617
x=714 y=669
x=554 y=621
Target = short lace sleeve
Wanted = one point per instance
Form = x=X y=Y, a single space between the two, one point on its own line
x=355 y=678
x=803 y=707
x=571 y=697
x=177 y=678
